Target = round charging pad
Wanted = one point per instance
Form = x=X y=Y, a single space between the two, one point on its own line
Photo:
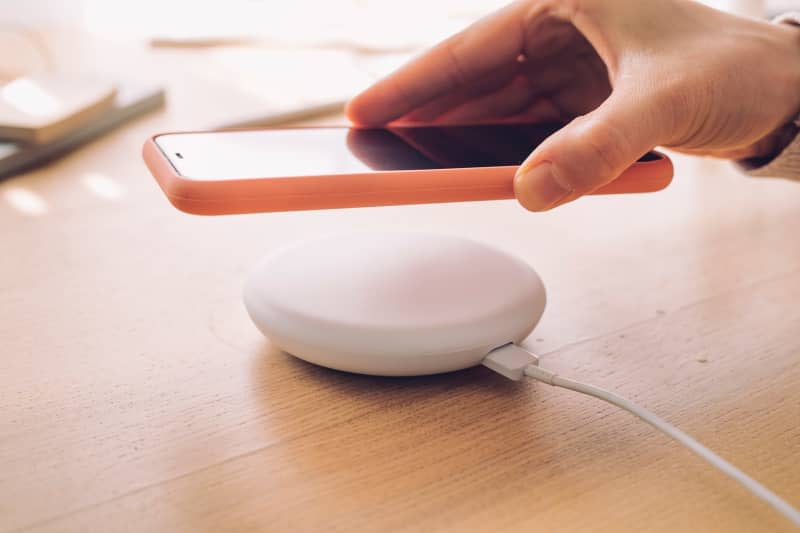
x=393 y=304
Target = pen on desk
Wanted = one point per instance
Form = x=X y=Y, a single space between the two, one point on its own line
x=276 y=119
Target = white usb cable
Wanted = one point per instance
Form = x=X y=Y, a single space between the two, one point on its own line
x=515 y=362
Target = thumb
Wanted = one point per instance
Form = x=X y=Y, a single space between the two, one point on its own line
x=587 y=153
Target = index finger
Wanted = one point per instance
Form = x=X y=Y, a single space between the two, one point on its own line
x=491 y=42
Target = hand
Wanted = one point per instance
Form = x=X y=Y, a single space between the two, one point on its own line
x=628 y=75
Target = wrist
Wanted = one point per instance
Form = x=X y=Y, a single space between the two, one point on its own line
x=787 y=66
x=789 y=33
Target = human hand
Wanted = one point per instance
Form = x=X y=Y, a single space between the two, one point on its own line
x=627 y=75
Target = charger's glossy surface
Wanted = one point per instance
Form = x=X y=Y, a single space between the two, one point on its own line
x=395 y=304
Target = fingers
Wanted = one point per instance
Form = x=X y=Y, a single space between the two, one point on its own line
x=487 y=45
x=488 y=84
x=507 y=101
x=505 y=92
x=588 y=153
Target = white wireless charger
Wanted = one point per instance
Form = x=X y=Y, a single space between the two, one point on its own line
x=394 y=304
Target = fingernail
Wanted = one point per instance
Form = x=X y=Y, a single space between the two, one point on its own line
x=537 y=189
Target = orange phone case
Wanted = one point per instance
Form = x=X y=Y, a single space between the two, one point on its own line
x=378 y=188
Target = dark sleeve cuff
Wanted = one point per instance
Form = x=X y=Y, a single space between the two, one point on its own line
x=787 y=163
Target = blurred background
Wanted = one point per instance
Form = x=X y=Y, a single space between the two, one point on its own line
x=261 y=62
x=340 y=44
x=373 y=22
x=262 y=50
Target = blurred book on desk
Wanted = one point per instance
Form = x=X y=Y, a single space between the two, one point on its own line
x=130 y=101
x=42 y=108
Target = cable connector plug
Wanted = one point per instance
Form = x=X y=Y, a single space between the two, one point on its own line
x=510 y=361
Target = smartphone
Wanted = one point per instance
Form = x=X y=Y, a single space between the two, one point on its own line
x=263 y=170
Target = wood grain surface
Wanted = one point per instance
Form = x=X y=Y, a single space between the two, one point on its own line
x=135 y=394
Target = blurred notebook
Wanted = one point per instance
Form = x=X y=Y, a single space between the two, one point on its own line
x=42 y=108
x=129 y=102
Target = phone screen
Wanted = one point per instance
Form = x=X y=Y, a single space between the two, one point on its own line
x=273 y=153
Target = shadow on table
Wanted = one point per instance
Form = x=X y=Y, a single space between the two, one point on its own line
x=455 y=421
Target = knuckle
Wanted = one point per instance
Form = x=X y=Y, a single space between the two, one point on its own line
x=601 y=148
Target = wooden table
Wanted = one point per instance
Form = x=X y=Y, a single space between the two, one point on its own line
x=136 y=395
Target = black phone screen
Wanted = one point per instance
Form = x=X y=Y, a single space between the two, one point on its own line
x=328 y=151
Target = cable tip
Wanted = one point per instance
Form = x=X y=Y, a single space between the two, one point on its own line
x=510 y=361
